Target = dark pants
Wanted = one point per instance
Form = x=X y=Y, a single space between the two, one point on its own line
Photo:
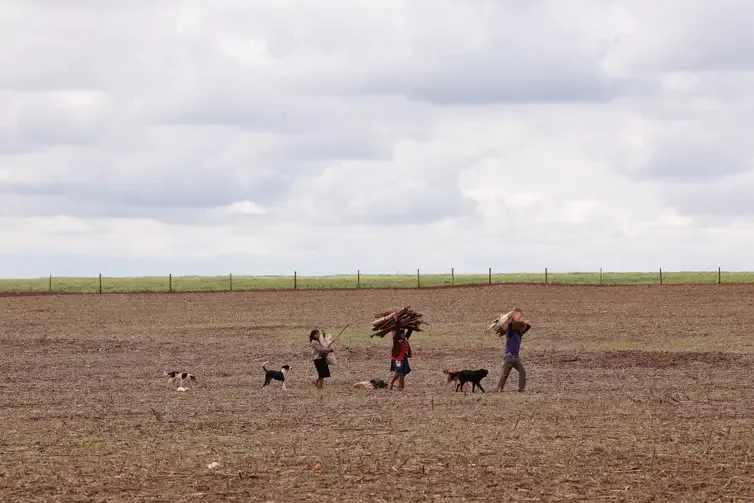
x=512 y=362
x=323 y=368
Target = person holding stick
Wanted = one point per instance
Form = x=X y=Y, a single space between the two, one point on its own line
x=321 y=353
x=400 y=354
x=319 y=356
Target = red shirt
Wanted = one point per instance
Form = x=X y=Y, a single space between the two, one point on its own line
x=404 y=351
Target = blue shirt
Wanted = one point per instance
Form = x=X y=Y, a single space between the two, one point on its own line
x=512 y=341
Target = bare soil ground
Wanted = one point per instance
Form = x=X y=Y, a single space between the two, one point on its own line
x=639 y=393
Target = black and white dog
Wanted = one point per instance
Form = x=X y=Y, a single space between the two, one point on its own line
x=174 y=376
x=278 y=375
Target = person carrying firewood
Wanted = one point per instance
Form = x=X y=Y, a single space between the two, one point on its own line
x=512 y=358
x=399 y=356
x=319 y=356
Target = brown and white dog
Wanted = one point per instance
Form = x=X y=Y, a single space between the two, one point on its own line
x=175 y=376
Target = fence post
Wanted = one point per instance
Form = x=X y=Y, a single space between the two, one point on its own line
x=719 y=278
x=661 y=275
x=170 y=282
x=295 y=281
x=600 y=275
x=358 y=279
x=100 y=283
x=418 y=281
x=489 y=276
x=545 y=275
x=230 y=286
x=50 y=284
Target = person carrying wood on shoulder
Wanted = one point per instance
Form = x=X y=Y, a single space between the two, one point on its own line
x=512 y=357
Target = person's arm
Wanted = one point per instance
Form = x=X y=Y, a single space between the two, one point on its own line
x=517 y=326
x=322 y=349
x=409 y=349
x=409 y=331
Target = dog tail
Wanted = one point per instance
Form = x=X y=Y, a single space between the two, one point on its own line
x=264 y=365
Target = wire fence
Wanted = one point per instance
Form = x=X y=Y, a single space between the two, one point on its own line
x=170 y=283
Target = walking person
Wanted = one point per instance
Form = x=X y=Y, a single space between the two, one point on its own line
x=512 y=358
x=399 y=356
x=319 y=356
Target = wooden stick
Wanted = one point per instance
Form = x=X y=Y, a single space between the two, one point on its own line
x=339 y=334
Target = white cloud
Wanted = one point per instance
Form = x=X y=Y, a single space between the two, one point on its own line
x=242 y=208
x=344 y=135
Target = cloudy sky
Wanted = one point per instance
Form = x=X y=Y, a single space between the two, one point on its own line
x=189 y=136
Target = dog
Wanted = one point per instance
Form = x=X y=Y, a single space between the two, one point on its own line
x=372 y=384
x=452 y=376
x=174 y=375
x=461 y=377
x=278 y=375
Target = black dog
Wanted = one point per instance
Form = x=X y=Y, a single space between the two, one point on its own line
x=472 y=376
x=278 y=375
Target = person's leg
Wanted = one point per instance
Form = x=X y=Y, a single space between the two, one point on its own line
x=323 y=371
x=316 y=381
x=507 y=366
x=405 y=370
x=401 y=382
x=398 y=365
x=393 y=378
x=521 y=375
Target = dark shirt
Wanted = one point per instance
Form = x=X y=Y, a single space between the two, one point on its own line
x=512 y=341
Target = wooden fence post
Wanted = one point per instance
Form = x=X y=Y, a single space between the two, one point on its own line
x=600 y=275
x=719 y=275
x=358 y=279
x=545 y=275
x=50 y=284
x=418 y=281
x=170 y=282
x=295 y=281
x=489 y=276
x=230 y=285
x=661 y=275
x=453 y=276
x=100 y=283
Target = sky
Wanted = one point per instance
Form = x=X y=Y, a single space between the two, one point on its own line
x=194 y=137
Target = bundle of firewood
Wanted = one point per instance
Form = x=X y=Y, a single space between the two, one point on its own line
x=515 y=316
x=388 y=321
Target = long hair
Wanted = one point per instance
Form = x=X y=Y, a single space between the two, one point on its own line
x=397 y=338
x=314 y=335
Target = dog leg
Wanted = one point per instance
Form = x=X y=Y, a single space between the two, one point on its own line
x=480 y=387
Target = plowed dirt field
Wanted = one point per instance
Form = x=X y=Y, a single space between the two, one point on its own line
x=640 y=393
